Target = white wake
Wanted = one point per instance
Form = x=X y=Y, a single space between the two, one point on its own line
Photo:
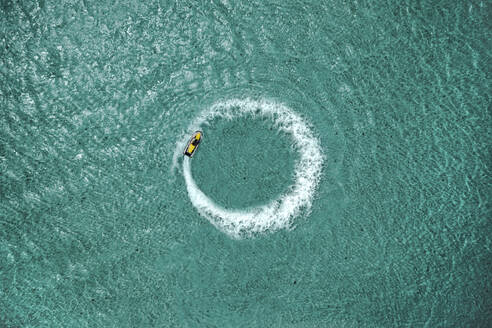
x=280 y=212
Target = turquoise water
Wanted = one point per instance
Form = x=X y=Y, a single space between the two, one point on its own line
x=100 y=228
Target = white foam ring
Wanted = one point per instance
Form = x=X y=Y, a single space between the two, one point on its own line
x=279 y=213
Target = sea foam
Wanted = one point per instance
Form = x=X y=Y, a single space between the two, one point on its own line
x=280 y=212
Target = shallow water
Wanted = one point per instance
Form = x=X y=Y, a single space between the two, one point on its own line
x=97 y=225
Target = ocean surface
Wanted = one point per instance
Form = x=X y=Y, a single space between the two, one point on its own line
x=344 y=177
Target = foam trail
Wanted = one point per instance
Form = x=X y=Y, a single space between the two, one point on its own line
x=278 y=213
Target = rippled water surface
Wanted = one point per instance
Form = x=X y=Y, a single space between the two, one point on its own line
x=343 y=181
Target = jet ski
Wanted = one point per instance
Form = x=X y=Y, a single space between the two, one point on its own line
x=192 y=145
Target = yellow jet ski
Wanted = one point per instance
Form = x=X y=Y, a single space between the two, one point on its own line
x=192 y=145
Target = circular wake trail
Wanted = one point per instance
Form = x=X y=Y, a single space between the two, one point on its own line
x=279 y=213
